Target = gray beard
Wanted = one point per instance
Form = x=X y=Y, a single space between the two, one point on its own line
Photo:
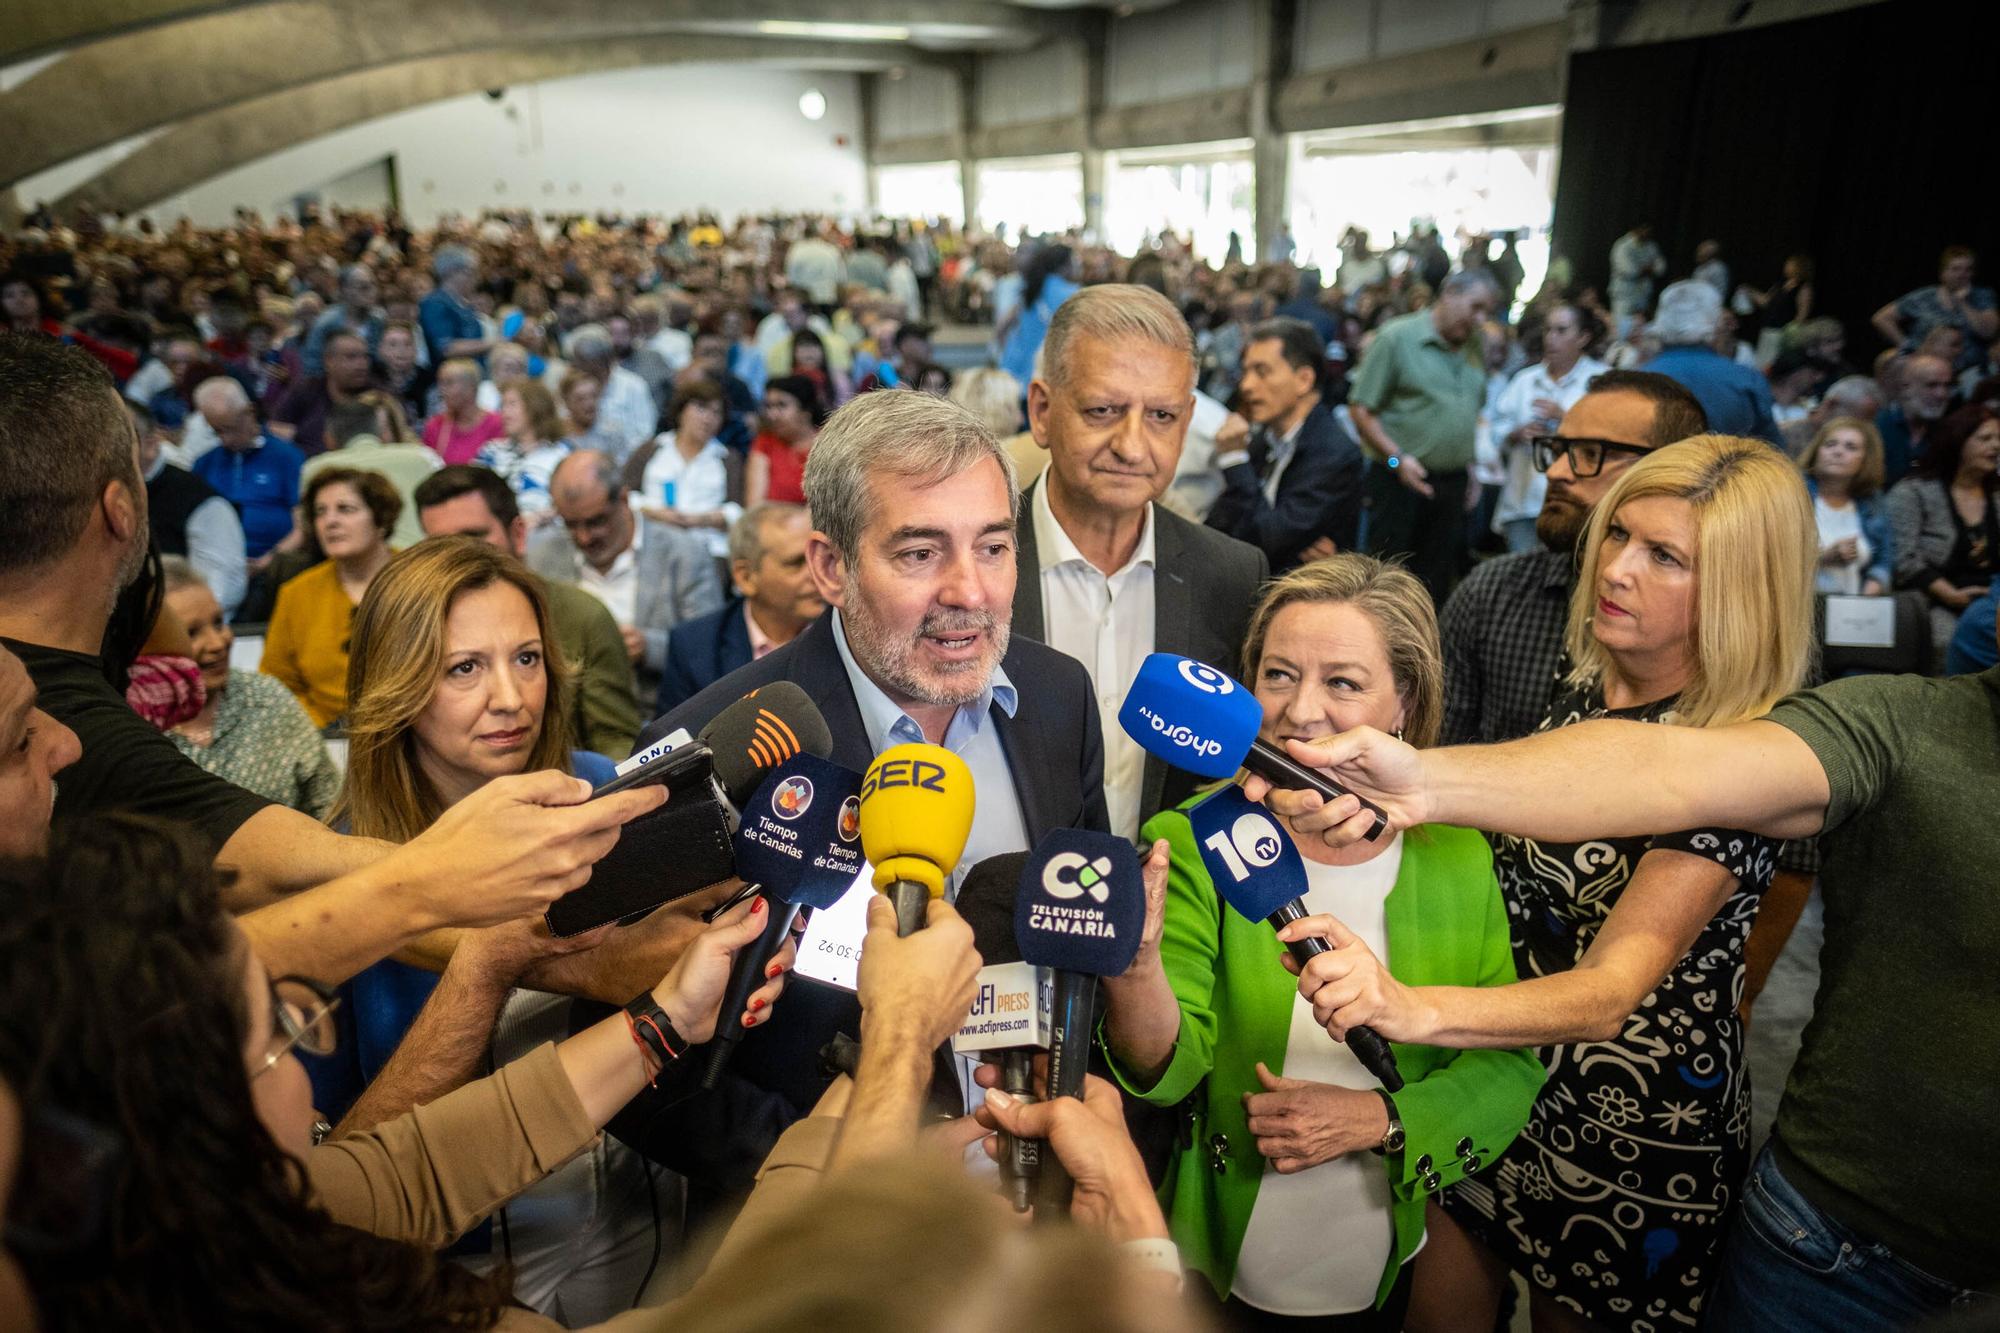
x=893 y=660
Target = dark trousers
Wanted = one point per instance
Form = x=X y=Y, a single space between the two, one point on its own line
x=1236 y=1317
x=1428 y=535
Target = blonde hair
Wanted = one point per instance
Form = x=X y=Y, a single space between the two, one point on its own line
x=1111 y=312
x=1873 y=471
x=993 y=396
x=395 y=663
x=1756 y=546
x=1399 y=607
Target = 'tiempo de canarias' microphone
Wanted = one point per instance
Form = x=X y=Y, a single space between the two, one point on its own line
x=916 y=813
x=1201 y=720
x=1262 y=876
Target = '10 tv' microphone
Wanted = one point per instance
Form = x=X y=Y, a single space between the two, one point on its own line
x=799 y=844
x=916 y=813
x=1199 y=719
x=1080 y=908
x=1262 y=876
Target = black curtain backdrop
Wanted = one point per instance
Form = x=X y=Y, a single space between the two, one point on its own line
x=1866 y=139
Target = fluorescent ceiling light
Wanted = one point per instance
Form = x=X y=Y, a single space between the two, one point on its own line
x=837 y=32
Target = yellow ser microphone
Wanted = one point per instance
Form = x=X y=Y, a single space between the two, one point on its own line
x=916 y=811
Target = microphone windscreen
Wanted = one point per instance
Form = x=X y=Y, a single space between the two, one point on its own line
x=916 y=812
x=801 y=832
x=1252 y=861
x=760 y=731
x=1081 y=904
x=1191 y=715
x=986 y=901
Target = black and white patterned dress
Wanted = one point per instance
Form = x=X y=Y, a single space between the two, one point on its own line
x=1614 y=1198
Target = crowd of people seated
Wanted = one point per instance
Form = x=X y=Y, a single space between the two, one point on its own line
x=284 y=1038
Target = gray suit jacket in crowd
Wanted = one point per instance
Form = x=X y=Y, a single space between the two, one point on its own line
x=676 y=577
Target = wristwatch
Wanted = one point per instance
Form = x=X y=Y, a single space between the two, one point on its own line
x=1393 y=461
x=1392 y=1138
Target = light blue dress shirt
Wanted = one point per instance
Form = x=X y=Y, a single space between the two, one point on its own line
x=997 y=822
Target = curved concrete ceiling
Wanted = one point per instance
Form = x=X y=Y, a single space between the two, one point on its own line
x=127 y=85
x=206 y=145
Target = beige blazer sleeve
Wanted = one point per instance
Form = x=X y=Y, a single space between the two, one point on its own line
x=429 y=1175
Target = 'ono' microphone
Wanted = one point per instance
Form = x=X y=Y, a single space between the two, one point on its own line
x=916 y=813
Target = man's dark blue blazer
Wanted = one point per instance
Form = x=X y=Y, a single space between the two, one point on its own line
x=702 y=651
x=1055 y=749
x=1319 y=495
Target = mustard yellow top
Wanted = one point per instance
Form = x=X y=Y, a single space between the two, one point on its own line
x=306 y=644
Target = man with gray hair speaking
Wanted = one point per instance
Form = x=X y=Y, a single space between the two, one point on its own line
x=1736 y=398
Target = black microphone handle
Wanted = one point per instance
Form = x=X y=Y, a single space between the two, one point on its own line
x=1366 y=1043
x=745 y=974
x=1074 y=1021
x=1281 y=770
x=1020 y=1158
x=911 y=901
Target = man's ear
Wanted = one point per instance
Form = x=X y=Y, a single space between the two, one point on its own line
x=829 y=569
x=1039 y=407
x=121 y=511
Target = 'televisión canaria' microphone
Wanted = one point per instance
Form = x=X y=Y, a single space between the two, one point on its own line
x=916 y=813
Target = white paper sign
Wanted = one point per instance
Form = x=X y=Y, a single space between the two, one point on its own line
x=831 y=949
x=1860 y=622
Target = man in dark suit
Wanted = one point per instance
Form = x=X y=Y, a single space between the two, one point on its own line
x=1107 y=575
x=1295 y=478
x=774 y=601
x=913 y=505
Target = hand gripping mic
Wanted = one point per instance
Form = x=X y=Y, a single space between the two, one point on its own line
x=916 y=812
x=1080 y=908
x=1262 y=876
x=799 y=844
x=1013 y=1009
x=1199 y=719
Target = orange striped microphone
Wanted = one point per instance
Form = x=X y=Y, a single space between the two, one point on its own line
x=761 y=731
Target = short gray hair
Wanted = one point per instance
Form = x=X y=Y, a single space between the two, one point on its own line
x=746 y=537
x=992 y=395
x=177 y=572
x=451 y=260
x=1689 y=313
x=354 y=271
x=1854 y=390
x=591 y=342
x=598 y=469
x=919 y=437
x=1111 y=312
x=1454 y=283
x=221 y=393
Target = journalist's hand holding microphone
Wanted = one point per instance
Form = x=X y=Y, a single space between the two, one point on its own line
x=1350 y=987
x=1368 y=763
x=1089 y=1137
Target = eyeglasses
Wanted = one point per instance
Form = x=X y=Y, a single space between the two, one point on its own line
x=1586 y=457
x=302 y=1017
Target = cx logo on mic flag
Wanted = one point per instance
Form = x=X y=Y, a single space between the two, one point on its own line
x=791 y=841
x=1080 y=905
x=1191 y=715
x=1251 y=859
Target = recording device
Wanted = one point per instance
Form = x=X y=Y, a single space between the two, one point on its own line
x=1079 y=910
x=1013 y=1010
x=916 y=813
x=799 y=844
x=1199 y=719
x=683 y=847
x=1261 y=875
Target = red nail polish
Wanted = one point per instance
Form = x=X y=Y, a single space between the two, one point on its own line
x=774 y=969
x=756 y=1004
x=749 y=1021
x=756 y=907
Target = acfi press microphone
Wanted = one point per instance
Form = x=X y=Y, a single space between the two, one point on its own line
x=799 y=844
x=1012 y=1011
x=916 y=813
x=1263 y=877
x=1079 y=909
x=1200 y=720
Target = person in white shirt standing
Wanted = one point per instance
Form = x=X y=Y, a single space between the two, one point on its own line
x=1107 y=574
x=1532 y=405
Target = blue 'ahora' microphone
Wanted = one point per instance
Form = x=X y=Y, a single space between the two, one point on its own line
x=800 y=846
x=1080 y=909
x=1263 y=877
x=1199 y=719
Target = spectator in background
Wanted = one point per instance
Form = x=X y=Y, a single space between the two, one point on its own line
x=1848 y=396
x=991 y=394
x=686 y=477
x=1945 y=520
x=582 y=393
x=352 y=513
x=300 y=415
x=250 y=730
x=1922 y=396
x=402 y=375
x=1792 y=378
x=254 y=470
x=1291 y=475
x=475 y=502
x=461 y=427
x=640 y=359
x=650 y=330
x=1048 y=278
x=774 y=598
x=356 y=431
x=355 y=312
x=1736 y=399
x=1780 y=307
x=814 y=266
x=793 y=413
x=188 y=517
x=1636 y=264
x=1532 y=405
x=1953 y=303
x=1843 y=467
x=534 y=444
x=452 y=327
x=626 y=415
x=650 y=576
x=1415 y=402
x=1710 y=267
x=809 y=362
x=1973 y=646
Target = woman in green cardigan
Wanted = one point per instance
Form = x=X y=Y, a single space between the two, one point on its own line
x=1300 y=1192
